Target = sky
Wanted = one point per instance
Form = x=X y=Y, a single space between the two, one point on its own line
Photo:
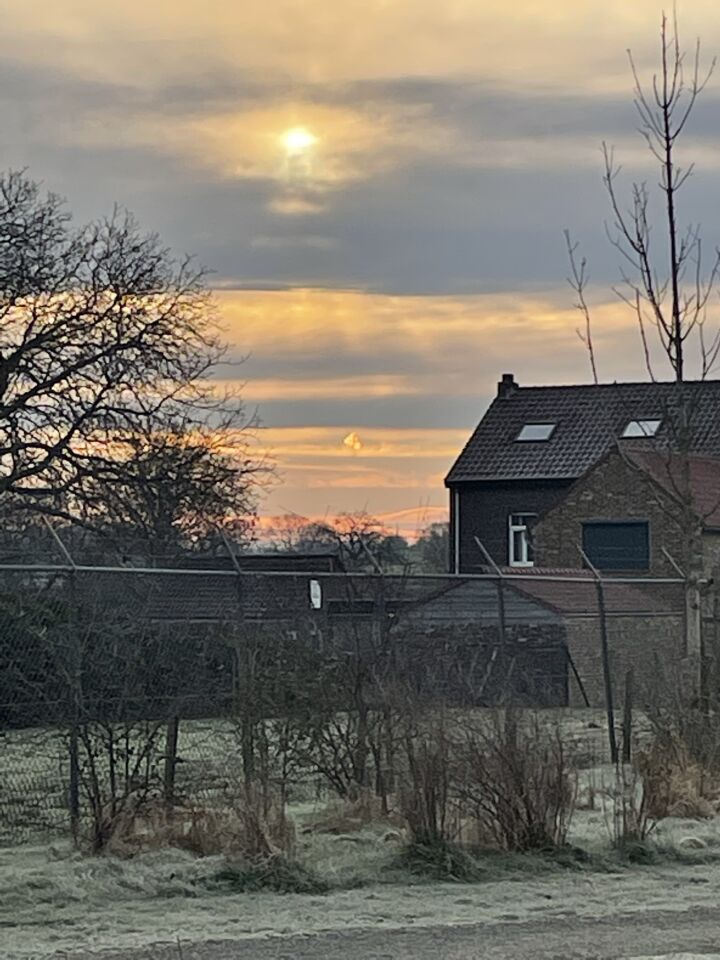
x=380 y=188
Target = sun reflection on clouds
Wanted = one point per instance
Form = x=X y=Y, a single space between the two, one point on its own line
x=353 y=442
x=303 y=150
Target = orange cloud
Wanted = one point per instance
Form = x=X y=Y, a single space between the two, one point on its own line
x=439 y=344
x=306 y=443
x=432 y=349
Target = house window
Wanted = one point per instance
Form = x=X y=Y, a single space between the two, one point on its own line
x=617 y=545
x=641 y=428
x=536 y=431
x=520 y=549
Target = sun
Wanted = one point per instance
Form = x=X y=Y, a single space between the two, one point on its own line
x=298 y=140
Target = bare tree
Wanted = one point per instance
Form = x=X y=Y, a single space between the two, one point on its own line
x=668 y=287
x=172 y=489
x=360 y=541
x=432 y=548
x=673 y=299
x=102 y=332
x=578 y=280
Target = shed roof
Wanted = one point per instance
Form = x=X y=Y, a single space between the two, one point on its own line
x=578 y=596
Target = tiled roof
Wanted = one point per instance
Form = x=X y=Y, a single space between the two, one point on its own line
x=588 y=418
x=580 y=598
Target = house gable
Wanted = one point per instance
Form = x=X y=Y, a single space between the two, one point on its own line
x=617 y=489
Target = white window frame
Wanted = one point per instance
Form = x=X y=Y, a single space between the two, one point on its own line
x=522 y=527
x=642 y=428
x=535 y=432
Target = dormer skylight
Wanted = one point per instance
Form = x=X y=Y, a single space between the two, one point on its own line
x=641 y=428
x=536 y=431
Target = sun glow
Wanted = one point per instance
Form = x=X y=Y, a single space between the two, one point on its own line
x=298 y=140
x=353 y=442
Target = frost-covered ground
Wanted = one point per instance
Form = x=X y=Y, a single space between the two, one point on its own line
x=54 y=901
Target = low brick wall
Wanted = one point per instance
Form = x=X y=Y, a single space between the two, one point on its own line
x=652 y=645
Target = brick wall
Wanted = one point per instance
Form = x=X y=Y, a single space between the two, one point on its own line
x=613 y=490
x=462 y=663
x=652 y=645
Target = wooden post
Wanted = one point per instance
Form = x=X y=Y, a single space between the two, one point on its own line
x=578 y=678
x=74 y=783
x=693 y=641
x=607 y=674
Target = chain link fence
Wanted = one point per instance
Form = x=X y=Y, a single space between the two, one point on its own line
x=178 y=686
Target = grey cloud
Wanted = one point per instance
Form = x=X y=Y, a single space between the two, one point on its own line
x=435 y=225
x=432 y=412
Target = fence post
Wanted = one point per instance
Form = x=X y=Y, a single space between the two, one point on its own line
x=170 y=762
x=502 y=627
x=75 y=688
x=605 y=654
x=75 y=694
x=628 y=716
x=74 y=784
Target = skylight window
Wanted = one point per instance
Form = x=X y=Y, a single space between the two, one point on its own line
x=536 y=431
x=641 y=428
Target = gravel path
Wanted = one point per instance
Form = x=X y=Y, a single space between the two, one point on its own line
x=680 y=936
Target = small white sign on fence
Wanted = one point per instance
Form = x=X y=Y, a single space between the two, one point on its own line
x=315 y=595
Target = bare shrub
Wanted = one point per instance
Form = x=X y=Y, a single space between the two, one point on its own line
x=426 y=796
x=516 y=784
x=119 y=774
x=336 y=747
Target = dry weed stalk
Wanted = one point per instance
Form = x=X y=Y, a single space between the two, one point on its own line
x=628 y=813
x=346 y=816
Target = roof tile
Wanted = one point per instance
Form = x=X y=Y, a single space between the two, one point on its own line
x=589 y=419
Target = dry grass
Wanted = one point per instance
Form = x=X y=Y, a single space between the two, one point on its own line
x=252 y=829
x=675 y=784
x=344 y=816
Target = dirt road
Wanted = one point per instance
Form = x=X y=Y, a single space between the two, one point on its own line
x=670 y=936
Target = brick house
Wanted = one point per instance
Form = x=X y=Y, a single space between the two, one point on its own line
x=550 y=469
x=626 y=514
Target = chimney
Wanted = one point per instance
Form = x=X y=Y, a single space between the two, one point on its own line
x=507 y=386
